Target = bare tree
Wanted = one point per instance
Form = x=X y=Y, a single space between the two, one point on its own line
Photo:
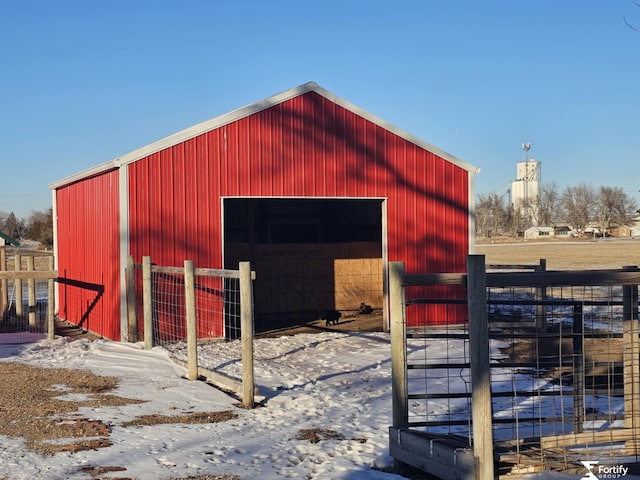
x=516 y=223
x=578 y=204
x=40 y=227
x=609 y=207
x=631 y=210
x=490 y=215
x=14 y=226
x=483 y=214
x=613 y=207
x=549 y=204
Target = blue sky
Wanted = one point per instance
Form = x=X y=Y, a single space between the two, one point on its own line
x=82 y=82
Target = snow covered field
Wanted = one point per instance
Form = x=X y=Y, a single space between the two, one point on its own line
x=330 y=381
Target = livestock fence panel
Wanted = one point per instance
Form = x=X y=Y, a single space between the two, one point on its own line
x=27 y=297
x=184 y=308
x=544 y=375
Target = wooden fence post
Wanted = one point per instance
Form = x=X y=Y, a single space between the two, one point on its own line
x=577 y=331
x=18 y=285
x=246 y=333
x=147 y=299
x=398 y=334
x=51 y=303
x=190 y=311
x=132 y=319
x=31 y=296
x=480 y=368
x=631 y=363
x=541 y=295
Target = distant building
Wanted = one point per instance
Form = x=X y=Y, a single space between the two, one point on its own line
x=619 y=231
x=563 y=231
x=525 y=190
x=635 y=227
x=539 y=233
x=7 y=240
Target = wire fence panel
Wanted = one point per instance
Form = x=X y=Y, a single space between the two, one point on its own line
x=439 y=379
x=563 y=365
x=217 y=297
x=217 y=308
x=557 y=389
x=26 y=316
x=168 y=304
x=26 y=297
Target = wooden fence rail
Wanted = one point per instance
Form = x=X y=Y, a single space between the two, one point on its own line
x=19 y=276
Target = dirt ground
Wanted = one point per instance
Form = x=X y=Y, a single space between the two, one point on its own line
x=349 y=322
x=33 y=407
x=564 y=255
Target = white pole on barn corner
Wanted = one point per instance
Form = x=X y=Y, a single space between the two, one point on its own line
x=190 y=305
x=132 y=319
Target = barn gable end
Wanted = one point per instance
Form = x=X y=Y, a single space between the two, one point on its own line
x=304 y=143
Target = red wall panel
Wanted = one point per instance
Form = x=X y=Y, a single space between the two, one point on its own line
x=305 y=146
x=89 y=254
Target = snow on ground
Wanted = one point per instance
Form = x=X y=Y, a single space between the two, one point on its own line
x=331 y=381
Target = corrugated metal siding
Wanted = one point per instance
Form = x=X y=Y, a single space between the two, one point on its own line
x=306 y=146
x=89 y=254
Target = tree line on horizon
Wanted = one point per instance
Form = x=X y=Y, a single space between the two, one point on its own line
x=38 y=226
x=578 y=207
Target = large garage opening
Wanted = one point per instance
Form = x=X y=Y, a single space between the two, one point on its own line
x=310 y=256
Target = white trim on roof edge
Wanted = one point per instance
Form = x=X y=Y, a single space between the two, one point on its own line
x=89 y=172
x=245 y=111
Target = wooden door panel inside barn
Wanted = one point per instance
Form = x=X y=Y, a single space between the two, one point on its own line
x=310 y=255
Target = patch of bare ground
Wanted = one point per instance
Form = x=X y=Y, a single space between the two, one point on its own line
x=564 y=255
x=316 y=435
x=209 y=477
x=41 y=405
x=191 y=418
x=33 y=407
x=349 y=322
x=97 y=472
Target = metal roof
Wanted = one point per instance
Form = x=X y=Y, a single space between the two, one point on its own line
x=9 y=240
x=245 y=111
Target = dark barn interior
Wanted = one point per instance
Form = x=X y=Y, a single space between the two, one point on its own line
x=310 y=255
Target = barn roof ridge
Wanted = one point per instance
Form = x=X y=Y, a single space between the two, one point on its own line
x=245 y=111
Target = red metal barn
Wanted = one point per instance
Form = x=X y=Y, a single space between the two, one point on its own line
x=314 y=191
